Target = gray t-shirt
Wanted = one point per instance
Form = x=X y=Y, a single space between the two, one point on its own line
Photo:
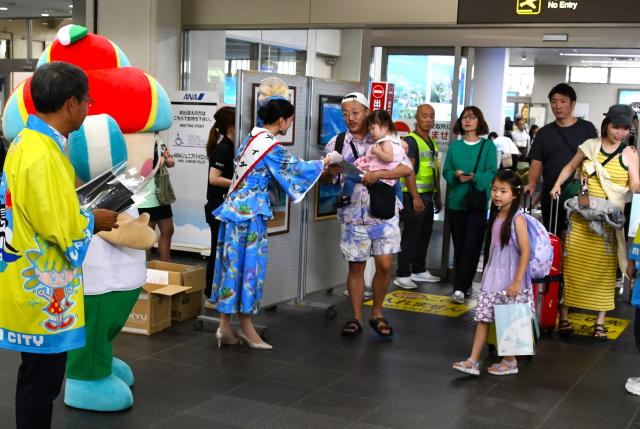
x=550 y=149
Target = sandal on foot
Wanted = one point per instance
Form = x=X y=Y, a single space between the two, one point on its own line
x=504 y=367
x=564 y=327
x=600 y=332
x=467 y=366
x=380 y=325
x=352 y=328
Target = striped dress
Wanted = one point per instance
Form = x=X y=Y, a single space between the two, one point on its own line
x=590 y=261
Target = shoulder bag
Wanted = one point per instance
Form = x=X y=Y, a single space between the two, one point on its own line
x=164 y=190
x=382 y=197
x=476 y=200
x=573 y=186
x=382 y=200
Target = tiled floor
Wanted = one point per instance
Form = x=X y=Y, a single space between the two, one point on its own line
x=314 y=378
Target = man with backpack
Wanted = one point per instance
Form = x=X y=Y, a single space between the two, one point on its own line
x=421 y=198
x=363 y=235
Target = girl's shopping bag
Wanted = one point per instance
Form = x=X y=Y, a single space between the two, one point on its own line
x=514 y=329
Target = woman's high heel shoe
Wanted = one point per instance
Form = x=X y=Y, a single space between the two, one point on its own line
x=251 y=344
x=227 y=340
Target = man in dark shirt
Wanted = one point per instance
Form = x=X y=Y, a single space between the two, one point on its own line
x=554 y=146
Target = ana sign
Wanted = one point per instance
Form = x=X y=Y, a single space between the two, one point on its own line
x=187 y=140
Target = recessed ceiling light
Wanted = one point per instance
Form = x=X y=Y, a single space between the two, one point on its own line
x=4 y=8
x=71 y=6
x=564 y=54
x=44 y=14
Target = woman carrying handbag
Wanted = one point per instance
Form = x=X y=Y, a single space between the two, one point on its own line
x=610 y=172
x=158 y=201
x=469 y=168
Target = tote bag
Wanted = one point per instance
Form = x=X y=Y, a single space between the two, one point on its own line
x=514 y=330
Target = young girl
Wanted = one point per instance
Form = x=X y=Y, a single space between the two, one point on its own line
x=507 y=269
x=385 y=154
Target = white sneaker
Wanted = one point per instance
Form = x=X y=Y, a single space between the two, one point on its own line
x=458 y=297
x=633 y=385
x=425 y=277
x=368 y=293
x=405 y=283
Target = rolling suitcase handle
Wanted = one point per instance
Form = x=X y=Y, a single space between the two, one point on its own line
x=527 y=198
x=556 y=202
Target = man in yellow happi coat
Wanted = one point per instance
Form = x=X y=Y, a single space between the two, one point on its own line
x=44 y=237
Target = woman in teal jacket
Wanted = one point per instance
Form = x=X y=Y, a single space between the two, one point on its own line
x=468 y=225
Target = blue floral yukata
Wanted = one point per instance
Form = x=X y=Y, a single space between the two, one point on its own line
x=241 y=253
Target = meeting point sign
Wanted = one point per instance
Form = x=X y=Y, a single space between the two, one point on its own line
x=547 y=11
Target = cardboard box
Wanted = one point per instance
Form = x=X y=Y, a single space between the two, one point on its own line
x=187 y=304
x=152 y=312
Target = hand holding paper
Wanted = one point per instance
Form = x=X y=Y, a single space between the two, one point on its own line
x=334 y=157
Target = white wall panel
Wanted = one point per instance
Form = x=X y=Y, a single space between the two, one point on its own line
x=326 y=268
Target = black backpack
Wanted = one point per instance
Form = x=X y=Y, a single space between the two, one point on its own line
x=340 y=142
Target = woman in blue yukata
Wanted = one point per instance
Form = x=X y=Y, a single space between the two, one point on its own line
x=241 y=254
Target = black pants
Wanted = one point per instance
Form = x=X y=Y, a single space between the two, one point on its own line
x=545 y=201
x=416 y=234
x=214 y=227
x=467 y=232
x=39 y=382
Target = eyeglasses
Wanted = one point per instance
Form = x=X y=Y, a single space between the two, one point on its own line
x=88 y=99
x=469 y=117
x=354 y=114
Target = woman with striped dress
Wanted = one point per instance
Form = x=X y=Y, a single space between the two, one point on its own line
x=589 y=267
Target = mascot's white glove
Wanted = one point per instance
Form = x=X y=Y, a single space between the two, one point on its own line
x=334 y=157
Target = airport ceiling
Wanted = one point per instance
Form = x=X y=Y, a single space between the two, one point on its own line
x=34 y=8
x=518 y=56
x=575 y=57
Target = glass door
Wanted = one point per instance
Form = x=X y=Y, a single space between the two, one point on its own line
x=439 y=77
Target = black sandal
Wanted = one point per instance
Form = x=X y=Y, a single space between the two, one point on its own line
x=564 y=327
x=600 y=332
x=380 y=325
x=352 y=328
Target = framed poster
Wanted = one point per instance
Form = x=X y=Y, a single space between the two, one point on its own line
x=325 y=201
x=331 y=121
x=287 y=139
x=630 y=97
x=281 y=207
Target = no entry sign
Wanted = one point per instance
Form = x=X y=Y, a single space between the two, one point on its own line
x=381 y=96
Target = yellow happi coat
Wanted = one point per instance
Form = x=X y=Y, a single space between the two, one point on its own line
x=43 y=240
